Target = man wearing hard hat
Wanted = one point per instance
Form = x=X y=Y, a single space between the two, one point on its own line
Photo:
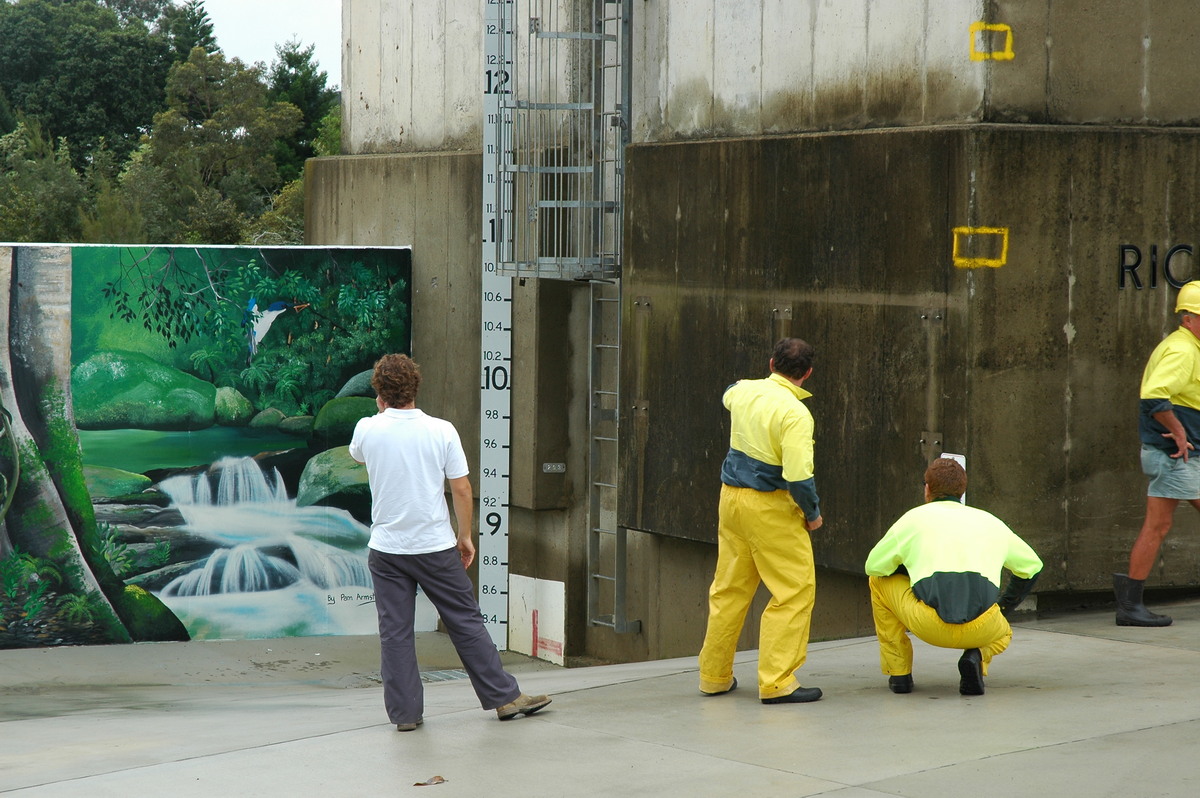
x=1168 y=423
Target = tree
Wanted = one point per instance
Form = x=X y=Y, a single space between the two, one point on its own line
x=82 y=73
x=329 y=133
x=187 y=27
x=112 y=216
x=147 y=11
x=8 y=120
x=206 y=167
x=283 y=224
x=41 y=195
x=297 y=79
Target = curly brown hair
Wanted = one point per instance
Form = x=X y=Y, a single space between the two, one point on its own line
x=946 y=479
x=396 y=380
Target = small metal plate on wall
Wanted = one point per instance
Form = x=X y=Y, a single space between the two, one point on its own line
x=781 y=319
x=931 y=445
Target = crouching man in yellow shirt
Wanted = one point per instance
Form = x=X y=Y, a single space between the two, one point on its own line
x=936 y=573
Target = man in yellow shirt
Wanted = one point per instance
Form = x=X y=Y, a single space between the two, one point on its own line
x=1169 y=420
x=936 y=573
x=768 y=506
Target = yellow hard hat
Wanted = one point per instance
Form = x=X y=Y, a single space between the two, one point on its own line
x=1189 y=298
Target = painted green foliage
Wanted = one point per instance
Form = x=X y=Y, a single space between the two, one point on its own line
x=69 y=576
x=141 y=312
x=46 y=599
x=188 y=307
x=145 y=617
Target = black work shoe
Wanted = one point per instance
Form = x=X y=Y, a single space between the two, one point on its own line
x=970 y=668
x=900 y=684
x=801 y=695
x=730 y=689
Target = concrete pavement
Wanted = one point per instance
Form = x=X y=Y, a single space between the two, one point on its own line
x=1076 y=707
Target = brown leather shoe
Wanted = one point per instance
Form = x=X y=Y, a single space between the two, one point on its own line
x=524 y=705
x=409 y=726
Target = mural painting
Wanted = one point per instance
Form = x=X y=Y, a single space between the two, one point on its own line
x=173 y=453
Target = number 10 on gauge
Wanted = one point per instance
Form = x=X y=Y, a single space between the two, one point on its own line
x=493 y=499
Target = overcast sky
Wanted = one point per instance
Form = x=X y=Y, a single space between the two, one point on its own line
x=250 y=29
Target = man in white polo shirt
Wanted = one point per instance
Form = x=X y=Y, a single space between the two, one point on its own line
x=409 y=457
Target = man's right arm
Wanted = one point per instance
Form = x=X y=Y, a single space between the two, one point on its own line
x=463 y=499
x=796 y=442
x=887 y=556
x=1165 y=378
x=1175 y=432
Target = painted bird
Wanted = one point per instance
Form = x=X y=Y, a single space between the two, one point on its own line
x=259 y=321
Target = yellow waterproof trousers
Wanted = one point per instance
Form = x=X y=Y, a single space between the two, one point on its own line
x=761 y=536
x=897 y=611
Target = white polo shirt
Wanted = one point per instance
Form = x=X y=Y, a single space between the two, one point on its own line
x=409 y=456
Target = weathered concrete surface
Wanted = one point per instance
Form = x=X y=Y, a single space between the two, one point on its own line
x=431 y=202
x=1030 y=368
x=1104 y=61
x=712 y=69
x=743 y=225
x=415 y=199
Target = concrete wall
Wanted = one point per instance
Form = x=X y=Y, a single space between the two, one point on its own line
x=431 y=202
x=799 y=167
x=1096 y=62
x=410 y=75
x=1029 y=368
x=711 y=69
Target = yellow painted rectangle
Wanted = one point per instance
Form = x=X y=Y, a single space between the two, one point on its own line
x=964 y=262
x=1005 y=54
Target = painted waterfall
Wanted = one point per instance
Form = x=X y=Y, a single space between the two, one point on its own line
x=214 y=392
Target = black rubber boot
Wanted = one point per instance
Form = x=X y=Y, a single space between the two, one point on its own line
x=1130 y=609
x=970 y=671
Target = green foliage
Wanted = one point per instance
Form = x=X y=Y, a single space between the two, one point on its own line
x=157 y=556
x=78 y=609
x=35 y=598
x=296 y=78
x=207 y=166
x=123 y=559
x=84 y=73
x=187 y=27
x=8 y=120
x=129 y=10
x=40 y=193
x=283 y=224
x=112 y=550
x=329 y=133
x=37 y=612
x=138 y=129
x=20 y=569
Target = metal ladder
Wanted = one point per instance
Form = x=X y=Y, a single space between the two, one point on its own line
x=565 y=161
x=606 y=537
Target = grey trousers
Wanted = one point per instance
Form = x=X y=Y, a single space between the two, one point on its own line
x=444 y=580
